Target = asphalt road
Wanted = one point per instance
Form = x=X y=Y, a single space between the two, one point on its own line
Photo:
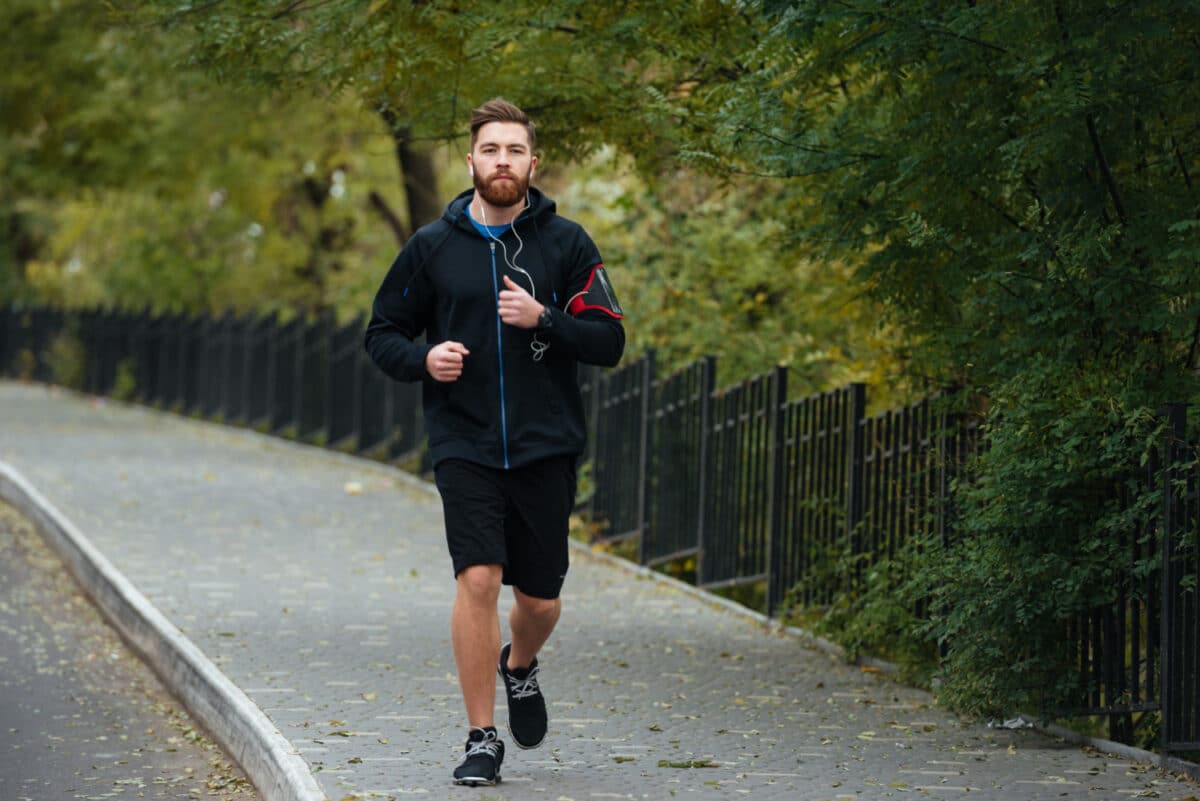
x=80 y=715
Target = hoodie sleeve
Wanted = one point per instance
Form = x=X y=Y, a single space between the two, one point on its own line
x=400 y=315
x=590 y=326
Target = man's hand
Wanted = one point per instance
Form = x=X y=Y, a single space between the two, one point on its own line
x=517 y=307
x=444 y=362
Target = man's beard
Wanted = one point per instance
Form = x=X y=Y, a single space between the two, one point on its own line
x=502 y=193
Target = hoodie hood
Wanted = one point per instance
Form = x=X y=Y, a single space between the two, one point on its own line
x=540 y=207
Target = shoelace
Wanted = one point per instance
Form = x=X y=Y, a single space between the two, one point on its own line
x=523 y=688
x=486 y=746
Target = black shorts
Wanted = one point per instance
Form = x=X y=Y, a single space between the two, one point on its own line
x=517 y=519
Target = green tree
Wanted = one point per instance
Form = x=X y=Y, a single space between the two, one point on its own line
x=50 y=135
x=1015 y=183
x=590 y=74
x=709 y=267
x=139 y=182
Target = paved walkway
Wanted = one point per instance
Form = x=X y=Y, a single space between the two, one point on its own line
x=329 y=607
x=80 y=715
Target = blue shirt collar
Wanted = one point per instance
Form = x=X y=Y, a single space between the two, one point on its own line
x=488 y=231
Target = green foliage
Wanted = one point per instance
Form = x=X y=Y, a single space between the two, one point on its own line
x=591 y=74
x=25 y=364
x=1014 y=184
x=125 y=386
x=752 y=596
x=1043 y=540
x=707 y=268
x=66 y=358
x=137 y=183
x=267 y=200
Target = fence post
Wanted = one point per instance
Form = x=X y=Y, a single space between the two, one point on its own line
x=856 y=455
x=645 y=460
x=296 y=401
x=775 y=482
x=708 y=385
x=1176 y=414
x=598 y=380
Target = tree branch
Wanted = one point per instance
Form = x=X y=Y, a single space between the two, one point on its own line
x=928 y=28
x=1013 y=221
x=1110 y=180
x=376 y=201
x=791 y=174
x=821 y=151
x=1191 y=359
x=297 y=6
x=1187 y=178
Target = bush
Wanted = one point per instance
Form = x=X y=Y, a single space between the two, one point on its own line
x=67 y=358
x=124 y=386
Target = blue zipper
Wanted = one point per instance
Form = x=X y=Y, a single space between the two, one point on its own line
x=500 y=356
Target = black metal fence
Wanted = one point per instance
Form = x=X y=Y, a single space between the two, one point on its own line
x=796 y=495
x=795 y=498
x=1179 y=693
x=802 y=496
x=304 y=378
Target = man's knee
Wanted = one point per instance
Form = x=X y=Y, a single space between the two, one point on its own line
x=481 y=583
x=545 y=609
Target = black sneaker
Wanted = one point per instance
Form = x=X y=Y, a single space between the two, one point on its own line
x=526 y=704
x=481 y=765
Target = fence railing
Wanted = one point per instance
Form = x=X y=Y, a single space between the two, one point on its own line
x=802 y=496
x=795 y=498
x=1179 y=693
x=796 y=495
x=305 y=378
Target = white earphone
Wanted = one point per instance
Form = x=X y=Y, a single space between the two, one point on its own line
x=471 y=169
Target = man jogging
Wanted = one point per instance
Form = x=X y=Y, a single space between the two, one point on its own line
x=510 y=298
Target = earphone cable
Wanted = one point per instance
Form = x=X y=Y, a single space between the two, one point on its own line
x=538 y=347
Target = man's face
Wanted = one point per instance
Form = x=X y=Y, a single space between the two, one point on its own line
x=502 y=163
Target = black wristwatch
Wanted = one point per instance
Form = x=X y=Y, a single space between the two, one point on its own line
x=545 y=319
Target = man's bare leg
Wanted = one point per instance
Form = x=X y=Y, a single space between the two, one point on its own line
x=475 y=633
x=531 y=622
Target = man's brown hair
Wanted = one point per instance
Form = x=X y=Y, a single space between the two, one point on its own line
x=500 y=110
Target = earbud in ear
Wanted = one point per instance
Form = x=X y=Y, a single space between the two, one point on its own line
x=471 y=169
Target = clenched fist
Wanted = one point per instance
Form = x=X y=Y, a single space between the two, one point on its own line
x=518 y=307
x=444 y=362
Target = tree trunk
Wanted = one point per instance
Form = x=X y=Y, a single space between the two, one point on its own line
x=417 y=171
x=420 y=183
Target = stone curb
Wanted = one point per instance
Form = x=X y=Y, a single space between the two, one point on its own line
x=1130 y=752
x=234 y=721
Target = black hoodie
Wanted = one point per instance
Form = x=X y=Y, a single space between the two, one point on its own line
x=506 y=409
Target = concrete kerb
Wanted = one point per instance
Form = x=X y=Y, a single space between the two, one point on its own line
x=1132 y=753
x=230 y=717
